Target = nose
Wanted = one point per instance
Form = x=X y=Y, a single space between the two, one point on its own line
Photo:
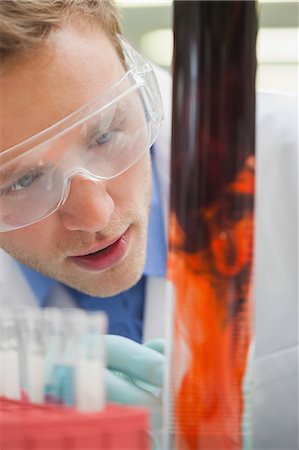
x=88 y=206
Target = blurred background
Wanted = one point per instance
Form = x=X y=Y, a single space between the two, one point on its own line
x=148 y=25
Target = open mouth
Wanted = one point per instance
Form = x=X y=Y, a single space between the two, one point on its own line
x=106 y=257
x=100 y=252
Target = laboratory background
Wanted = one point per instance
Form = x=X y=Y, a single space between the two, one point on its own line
x=148 y=25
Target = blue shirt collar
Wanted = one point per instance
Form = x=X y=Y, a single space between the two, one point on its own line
x=155 y=264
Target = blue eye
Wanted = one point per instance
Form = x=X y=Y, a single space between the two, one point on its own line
x=22 y=183
x=104 y=138
x=25 y=181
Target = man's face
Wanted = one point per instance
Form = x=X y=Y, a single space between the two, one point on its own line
x=96 y=241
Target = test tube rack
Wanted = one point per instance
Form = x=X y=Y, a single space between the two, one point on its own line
x=47 y=427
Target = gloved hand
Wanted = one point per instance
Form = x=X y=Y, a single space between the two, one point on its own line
x=134 y=372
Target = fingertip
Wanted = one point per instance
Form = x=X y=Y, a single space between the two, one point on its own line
x=156 y=344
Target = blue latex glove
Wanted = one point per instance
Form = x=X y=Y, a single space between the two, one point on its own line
x=134 y=372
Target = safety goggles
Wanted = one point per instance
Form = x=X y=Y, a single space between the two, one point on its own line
x=99 y=142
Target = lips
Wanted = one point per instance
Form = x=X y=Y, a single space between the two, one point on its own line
x=104 y=255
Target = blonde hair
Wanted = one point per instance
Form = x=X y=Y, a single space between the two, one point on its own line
x=27 y=23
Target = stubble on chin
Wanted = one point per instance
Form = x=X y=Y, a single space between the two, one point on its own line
x=113 y=280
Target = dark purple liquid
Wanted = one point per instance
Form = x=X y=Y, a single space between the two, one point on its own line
x=214 y=107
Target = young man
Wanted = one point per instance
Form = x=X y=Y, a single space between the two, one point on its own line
x=79 y=112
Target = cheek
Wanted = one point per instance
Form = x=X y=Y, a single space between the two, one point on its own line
x=133 y=187
x=28 y=240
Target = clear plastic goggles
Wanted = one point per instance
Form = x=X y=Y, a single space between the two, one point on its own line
x=100 y=141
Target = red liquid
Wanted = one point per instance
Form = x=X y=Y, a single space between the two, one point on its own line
x=211 y=222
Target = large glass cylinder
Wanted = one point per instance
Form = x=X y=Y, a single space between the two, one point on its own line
x=211 y=222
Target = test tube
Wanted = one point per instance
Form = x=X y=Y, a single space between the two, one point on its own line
x=32 y=349
x=211 y=222
x=10 y=384
x=90 y=366
x=59 y=358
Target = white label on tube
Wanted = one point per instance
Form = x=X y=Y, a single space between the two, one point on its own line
x=35 y=378
x=90 y=388
x=11 y=375
x=1 y=373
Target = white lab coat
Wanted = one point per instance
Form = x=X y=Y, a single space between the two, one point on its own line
x=276 y=268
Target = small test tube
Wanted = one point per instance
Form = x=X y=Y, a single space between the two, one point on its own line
x=10 y=383
x=30 y=321
x=59 y=363
x=90 y=366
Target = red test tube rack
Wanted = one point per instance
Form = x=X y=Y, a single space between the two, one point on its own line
x=47 y=427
